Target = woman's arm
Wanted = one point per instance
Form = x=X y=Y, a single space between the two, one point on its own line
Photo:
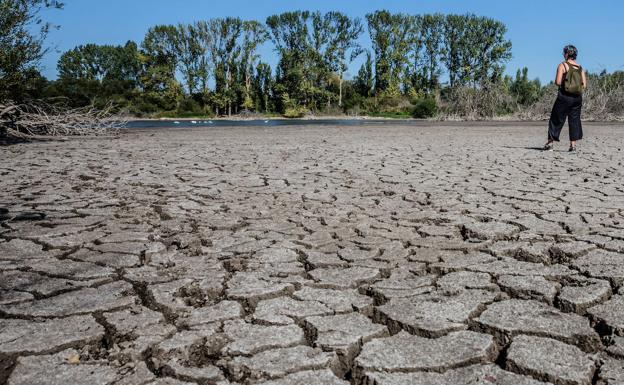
x=584 y=79
x=560 y=72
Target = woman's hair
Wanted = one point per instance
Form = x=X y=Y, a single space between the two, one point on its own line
x=570 y=51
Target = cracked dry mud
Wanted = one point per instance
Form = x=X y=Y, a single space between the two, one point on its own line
x=373 y=255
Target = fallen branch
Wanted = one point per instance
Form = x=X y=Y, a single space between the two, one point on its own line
x=43 y=120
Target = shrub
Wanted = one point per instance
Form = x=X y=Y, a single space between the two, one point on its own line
x=389 y=102
x=332 y=110
x=189 y=105
x=604 y=97
x=527 y=92
x=295 y=112
x=424 y=108
x=292 y=109
x=486 y=101
x=540 y=109
x=385 y=105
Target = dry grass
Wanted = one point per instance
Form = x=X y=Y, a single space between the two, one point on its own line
x=484 y=102
x=603 y=100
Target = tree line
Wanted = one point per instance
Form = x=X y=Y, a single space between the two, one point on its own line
x=414 y=65
x=214 y=66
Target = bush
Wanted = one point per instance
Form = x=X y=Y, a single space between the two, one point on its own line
x=332 y=110
x=389 y=102
x=486 y=101
x=295 y=112
x=189 y=105
x=424 y=108
x=292 y=109
x=384 y=105
x=141 y=107
x=527 y=92
x=604 y=97
x=540 y=109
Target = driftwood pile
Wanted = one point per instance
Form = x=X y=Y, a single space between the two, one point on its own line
x=43 y=120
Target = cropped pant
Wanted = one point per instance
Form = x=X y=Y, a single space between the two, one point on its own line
x=566 y=106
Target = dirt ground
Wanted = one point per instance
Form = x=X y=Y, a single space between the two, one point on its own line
x=434 y=254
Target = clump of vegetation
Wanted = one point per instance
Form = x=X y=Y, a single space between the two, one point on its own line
x=292 y=109
x=488 y=100
x=295 y=112
x=425 y=108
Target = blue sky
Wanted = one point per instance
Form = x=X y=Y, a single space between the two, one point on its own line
x=538 y=29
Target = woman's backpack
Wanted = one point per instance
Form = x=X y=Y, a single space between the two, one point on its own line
x=573 y=81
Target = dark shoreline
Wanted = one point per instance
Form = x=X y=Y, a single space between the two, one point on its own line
x=270 y=123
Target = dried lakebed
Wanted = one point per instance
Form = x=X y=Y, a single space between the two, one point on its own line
x=372 y=255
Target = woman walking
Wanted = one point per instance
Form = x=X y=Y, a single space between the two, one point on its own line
x=572 y=81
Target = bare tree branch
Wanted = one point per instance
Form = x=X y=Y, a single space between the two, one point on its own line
x=44 y=120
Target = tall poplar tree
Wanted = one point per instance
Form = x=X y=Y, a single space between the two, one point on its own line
x=431 y=36
x=254 y=35
x=289 y=33
x=392 y=36
x=224 y=51
x=159 y=57
x=343 y=45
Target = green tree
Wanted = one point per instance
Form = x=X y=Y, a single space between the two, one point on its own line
x=392 y=36
x=318 y=66
x=365 y=79
x=431 y=36
x=96 y=74
x=487 y=50
x=124 y=63
x=413 y=79
x=343 y=46
x=313 y=47
x=263 y=86
x=204 y=39
x=159 y=62
x=22 y=36
x=224 y=51
x=254 y=34
x=82 y=62
x=289 y=33
x=189 y=51
x=475 y=49
x=100 y=62
x=454 y=43
x=526 y=91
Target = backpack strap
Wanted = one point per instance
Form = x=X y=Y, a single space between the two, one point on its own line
x=575 y=66
x=566 y=68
